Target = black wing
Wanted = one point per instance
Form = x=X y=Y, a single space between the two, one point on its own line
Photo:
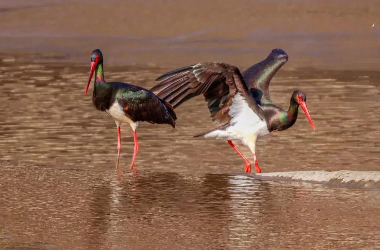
x=218 y=82
x=258 y=76
x=140 y=104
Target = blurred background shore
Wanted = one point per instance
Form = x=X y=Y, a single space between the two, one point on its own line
x=315 y=33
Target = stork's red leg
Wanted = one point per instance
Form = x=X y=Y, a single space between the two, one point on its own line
x=136 y=149
x=247 y=167
x=258 y=170
x=118 y=148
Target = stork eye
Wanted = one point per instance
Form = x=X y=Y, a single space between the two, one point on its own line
x=300 y=99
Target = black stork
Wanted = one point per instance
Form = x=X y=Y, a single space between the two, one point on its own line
x=236 y=112
x=126 y=103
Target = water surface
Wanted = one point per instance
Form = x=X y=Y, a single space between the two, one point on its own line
x=58 y=185
x=59 y=189
x=49 y=120
x=50 y=208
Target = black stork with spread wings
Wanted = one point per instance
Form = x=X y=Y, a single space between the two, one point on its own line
x=238 y=114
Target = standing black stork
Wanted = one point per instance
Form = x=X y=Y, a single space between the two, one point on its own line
x=126 y=103
x=236 y=112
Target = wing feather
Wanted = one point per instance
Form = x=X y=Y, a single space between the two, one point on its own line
x=218 y=82
x=142 y=105
x=258 y=76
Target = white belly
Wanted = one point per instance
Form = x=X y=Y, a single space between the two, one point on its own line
x=245 y=125
x=241 y=132
x=117 y=113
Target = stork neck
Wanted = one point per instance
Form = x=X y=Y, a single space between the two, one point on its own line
x=99 y=73
x=100 y=86
x=292 y=111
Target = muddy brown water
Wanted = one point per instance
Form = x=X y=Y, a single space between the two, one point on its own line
x=49 y=120
x=50 y=208
x=58 y=185
x=59 y=189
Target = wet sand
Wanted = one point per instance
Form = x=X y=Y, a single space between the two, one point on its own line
x=58 y=186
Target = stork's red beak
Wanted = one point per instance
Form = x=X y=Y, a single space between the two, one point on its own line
x=306 y=110
x=93 y=66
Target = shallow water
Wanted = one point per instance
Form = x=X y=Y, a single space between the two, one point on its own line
x=49 y=120
x=189 y=193
x=52 y=208
x=58 y=185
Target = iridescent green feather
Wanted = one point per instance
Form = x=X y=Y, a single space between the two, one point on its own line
x=132 y=95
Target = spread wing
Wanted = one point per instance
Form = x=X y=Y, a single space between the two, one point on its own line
x=142 y=105
x=218 y=82
x=258 y=76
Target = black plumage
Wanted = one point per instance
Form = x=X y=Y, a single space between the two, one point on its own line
x=224 y=87
x=127 y=103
